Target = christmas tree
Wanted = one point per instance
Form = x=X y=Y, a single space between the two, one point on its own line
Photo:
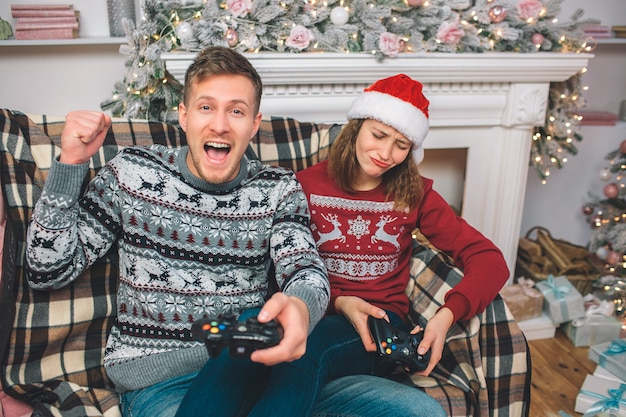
x=607 y=214
x=382 y=28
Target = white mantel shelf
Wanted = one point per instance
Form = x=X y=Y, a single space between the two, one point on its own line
x=486 y=103
x=322 y=68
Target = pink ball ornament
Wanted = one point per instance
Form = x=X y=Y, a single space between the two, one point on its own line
x=537 y=39
x=232 y=37
x=587 y=210
x=611 y=190
x=612 y=257
x=497 y=14
x=622 y=147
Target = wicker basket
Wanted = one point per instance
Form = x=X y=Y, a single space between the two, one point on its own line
x=543 y=255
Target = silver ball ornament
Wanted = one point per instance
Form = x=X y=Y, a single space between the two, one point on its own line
x=184 y=31
x=605 y=174
x=339 y=16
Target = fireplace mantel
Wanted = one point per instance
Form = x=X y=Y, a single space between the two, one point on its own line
x=485 y=103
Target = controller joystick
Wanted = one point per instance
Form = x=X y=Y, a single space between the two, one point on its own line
x=241 y=338
x=397 y=346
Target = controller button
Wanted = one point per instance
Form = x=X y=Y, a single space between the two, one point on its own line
x=389 y=340
x=388 y=351
x=214 y=330
x=206 y=326
x=222 y=326
x=383 y=344
x=405 y=351
x=242 y=328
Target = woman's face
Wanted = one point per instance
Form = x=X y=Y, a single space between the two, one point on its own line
x=379 y=148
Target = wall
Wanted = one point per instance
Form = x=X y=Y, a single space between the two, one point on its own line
x=557 y=204
x=59 y=78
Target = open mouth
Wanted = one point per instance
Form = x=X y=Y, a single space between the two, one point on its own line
x=216 y=150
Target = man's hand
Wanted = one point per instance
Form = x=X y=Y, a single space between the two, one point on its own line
x=356 y=310
x=293 y=314
x=435 y=337
x=82 y=136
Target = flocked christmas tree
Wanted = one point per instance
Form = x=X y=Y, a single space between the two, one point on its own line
x=383 y=28
x=607 y=213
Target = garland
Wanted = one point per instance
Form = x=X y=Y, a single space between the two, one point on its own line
x=383 y=28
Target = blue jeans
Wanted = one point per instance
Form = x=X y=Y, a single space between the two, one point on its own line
x=334 y=349
x=350 y=396
x=237 y=387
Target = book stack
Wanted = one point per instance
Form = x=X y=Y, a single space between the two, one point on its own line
x=620 y=31
x=45 y=21
x=598 y=31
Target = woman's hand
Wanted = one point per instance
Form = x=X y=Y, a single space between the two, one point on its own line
x=356 y=310
x=435 y=337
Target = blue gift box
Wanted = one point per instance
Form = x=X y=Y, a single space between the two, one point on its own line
x=599 y=397
x=599 y=325
x=561 y=300
x=611 y=356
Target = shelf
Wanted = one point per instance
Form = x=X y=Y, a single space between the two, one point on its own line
x=614 y=41
x=61 y=42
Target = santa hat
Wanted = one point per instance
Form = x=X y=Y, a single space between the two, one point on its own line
x=397 y=102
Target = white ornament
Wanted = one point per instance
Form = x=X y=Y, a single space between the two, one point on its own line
x=184 y=32
x=605 y=174
x=339 y=16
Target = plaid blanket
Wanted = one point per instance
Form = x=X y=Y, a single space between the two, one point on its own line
x=485 y=369
x=52 y=343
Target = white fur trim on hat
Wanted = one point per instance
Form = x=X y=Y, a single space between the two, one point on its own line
x=407 y=119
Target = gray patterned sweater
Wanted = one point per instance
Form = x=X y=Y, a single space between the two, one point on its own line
x=187 y=249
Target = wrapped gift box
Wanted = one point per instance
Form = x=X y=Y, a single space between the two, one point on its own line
x=606 y=374
x=561 y=301
x=538 y=328
x=597 y=326
x=611 y=355
x=597 y=393
x=524 y=301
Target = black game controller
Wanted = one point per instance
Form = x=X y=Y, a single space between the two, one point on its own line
x=241 y=338
x=398 y=346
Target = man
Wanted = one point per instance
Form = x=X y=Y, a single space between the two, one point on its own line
x=195 y=229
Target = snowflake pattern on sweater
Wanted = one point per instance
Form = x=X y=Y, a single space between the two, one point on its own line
x=187 y=249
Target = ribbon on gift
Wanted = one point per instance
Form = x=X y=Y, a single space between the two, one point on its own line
x=603 y=308
x=616 y=347
x=559 y=292
x=610 y=402
x=527 y=285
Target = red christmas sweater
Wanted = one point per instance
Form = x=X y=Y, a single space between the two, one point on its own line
x=367 y=245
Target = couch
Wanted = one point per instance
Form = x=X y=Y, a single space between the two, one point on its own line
x=52 y=343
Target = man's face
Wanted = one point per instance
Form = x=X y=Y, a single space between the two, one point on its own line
x=219 y=121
